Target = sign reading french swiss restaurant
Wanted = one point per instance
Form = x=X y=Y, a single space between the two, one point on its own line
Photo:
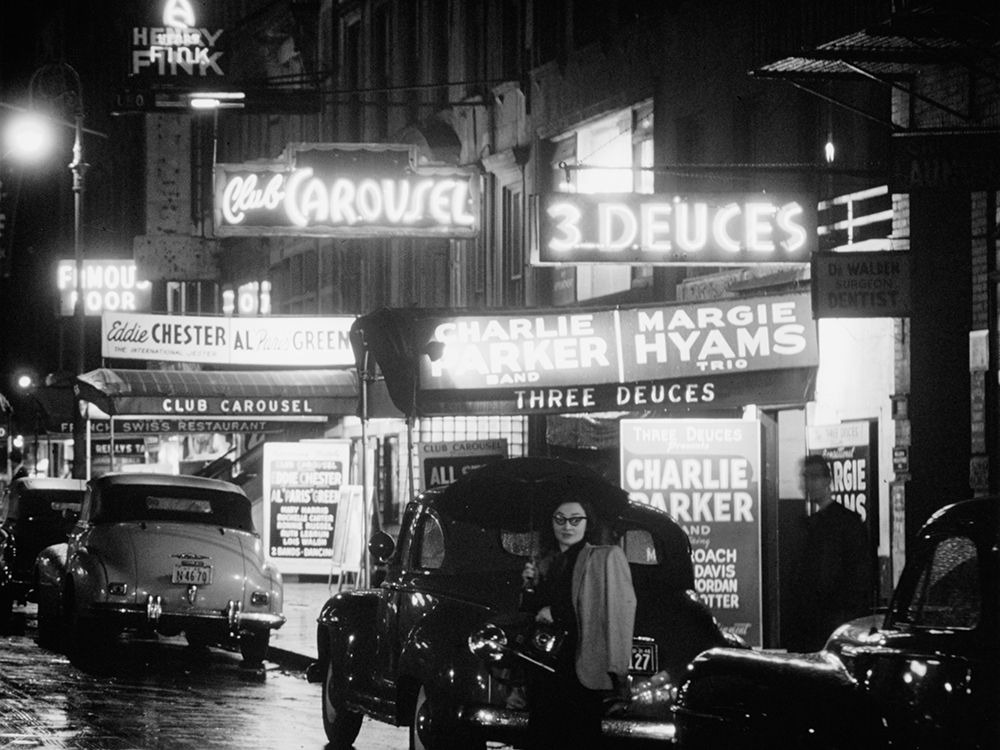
x=703 y=229
x=718 y=354
x=321 y=341
x=345 y=190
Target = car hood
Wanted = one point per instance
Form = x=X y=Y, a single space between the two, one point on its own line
x=144 y=556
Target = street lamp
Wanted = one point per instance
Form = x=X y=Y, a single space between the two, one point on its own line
x=25 y=137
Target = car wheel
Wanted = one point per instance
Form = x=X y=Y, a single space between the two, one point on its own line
x=253 y=646
x=6 y=609
x=425 y=735
x=341 y=726
x=48 y=625
x=88 y=643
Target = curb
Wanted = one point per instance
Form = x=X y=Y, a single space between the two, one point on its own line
x=289 y=660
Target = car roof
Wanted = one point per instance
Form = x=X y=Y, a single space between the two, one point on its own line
x=169 y=480
x=977 y=516
x=48 y=484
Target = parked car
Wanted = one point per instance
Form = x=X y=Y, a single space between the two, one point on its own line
x=154 y=553
x=34 y=513
x=924 y=676
x=401 y=652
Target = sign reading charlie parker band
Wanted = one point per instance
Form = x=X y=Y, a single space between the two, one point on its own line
x=305 y=498
x=706 y=474
x=610 y=359
x=345 y=190
x=704 y=229
x=321 y=341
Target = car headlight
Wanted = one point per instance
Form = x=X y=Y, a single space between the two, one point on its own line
x=117 y=588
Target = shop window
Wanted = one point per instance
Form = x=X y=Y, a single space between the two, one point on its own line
x=512 y=244
x=193 y=298
x=610 y=155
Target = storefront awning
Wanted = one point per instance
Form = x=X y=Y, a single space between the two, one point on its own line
x=691 y=359
x=278 y=395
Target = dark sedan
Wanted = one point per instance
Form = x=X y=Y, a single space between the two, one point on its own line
x=35 y=512
x=400 y=653
x=924 y=676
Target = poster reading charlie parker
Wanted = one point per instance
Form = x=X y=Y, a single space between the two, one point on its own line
x=706 y=474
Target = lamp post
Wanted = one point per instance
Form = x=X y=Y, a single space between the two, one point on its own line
x=61 y=81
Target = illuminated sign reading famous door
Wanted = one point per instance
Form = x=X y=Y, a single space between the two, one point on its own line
x=313 y=191
x=107 y=285
x=706 y=229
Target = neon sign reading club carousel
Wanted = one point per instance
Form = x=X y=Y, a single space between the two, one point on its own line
x=327 y=199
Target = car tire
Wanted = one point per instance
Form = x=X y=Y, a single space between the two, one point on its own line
x=341 y=726
x=88 y=642
x=48 y=624
x=6 y=611
x=253 y=646
x=458 y=738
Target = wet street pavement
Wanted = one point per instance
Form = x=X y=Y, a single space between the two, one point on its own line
x=160 y=694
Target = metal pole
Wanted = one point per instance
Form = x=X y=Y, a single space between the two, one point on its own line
x=79 y=169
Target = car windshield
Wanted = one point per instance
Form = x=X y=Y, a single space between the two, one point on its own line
x=164 y=503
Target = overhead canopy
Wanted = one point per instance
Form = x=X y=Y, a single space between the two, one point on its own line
x=694 y=358
x=282 y=395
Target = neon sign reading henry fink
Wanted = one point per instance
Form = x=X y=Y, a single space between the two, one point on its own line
x=178 y=47
x=331 y=199
x=662 y=229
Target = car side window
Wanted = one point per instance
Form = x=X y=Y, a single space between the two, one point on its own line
x=431 y=543
x=640 y=547
x=947 y=593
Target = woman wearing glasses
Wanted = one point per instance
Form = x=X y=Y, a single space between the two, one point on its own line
x=586 y=590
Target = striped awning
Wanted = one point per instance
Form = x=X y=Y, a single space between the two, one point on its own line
x=284 y=395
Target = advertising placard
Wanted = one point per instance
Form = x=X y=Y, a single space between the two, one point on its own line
x=706 y=474
x=707 y=354
x=861 y=285
x=303 y=488
x=318 y=341
x=443 y=463
x=851 y=452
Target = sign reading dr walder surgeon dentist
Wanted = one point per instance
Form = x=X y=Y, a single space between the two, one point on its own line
x=706 y=474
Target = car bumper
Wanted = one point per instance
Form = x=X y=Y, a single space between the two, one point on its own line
x=151 y=615
x=504 y=720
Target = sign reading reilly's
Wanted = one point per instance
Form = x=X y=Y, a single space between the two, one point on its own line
x=272 y=342
x=704 y=229
x=645 y=357
x=310 y=191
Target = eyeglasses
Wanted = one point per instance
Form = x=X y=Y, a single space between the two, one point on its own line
x=560 y=520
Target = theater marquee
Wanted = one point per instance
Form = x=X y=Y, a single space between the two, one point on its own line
x=345 y=190
x=703 y=229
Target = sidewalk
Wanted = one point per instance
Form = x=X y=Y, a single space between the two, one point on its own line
x=293 y=645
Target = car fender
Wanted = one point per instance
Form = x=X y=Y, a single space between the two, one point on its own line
x=50 y=566
x=345 y=633
x=436 y=654
x=777 y=694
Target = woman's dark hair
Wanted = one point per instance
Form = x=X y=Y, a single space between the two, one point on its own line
x=547 y=537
